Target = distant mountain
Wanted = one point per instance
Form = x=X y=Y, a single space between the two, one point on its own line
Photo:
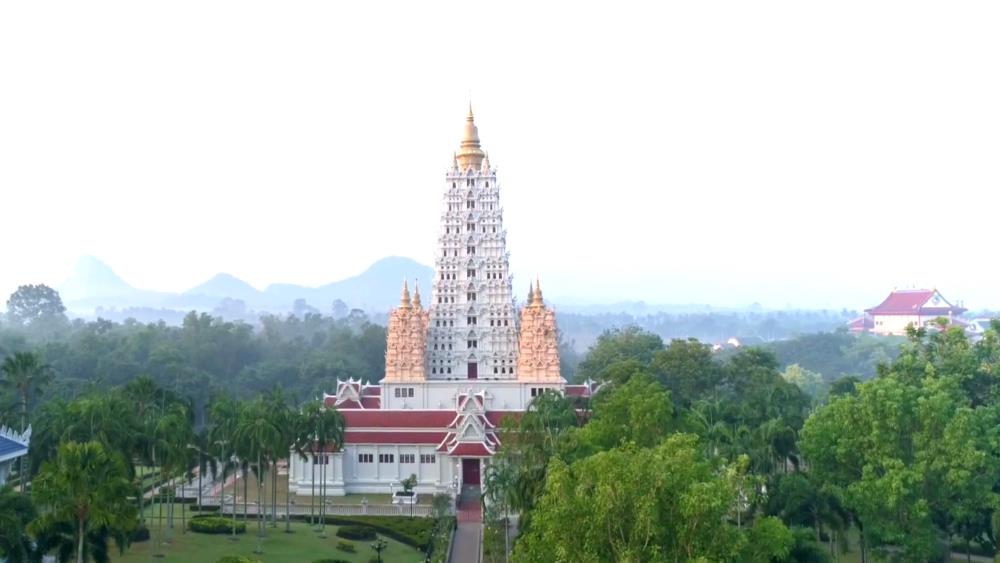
x=94 y=285
x=93 y=278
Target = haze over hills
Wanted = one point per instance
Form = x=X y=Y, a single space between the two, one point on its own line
x=94 y=287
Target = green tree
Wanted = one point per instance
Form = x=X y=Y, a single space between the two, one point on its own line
x=35 y=306
x=688 y=369
x=16 y=511
x=654 y=504
x=25 y=373
x=631 y=343
x=640 y=412
x=86 y=487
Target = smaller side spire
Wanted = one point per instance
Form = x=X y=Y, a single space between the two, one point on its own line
x=404 y=299
x=536 y=296
x=416 y=295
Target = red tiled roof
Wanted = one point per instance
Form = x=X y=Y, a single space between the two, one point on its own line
x=432 y=438
x=577 y=391
x=911 y=302
x=496 y=416
x=345 y=405
x=398 y=418
x=371 y=402
x=473 y=450
x=374 y=391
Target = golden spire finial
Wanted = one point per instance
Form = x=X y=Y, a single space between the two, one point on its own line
x=404 y=299
x=536 y=296
x=416 y=295
x=470 y=153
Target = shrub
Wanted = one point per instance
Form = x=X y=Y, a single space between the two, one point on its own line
x=215 y=525
x=356 y=532
x=414 y=532
x=237 y=559
x=346 y=546
x=139 y=534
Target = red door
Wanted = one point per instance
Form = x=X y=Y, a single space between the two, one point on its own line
x=470 y=471
x=473 y=370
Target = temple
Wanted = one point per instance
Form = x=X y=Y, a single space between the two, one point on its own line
x=906 y=307
x=455 y=367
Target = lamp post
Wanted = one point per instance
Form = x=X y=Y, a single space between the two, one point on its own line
x=379 y=546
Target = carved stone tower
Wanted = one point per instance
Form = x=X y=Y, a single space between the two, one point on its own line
x=539 y=343
x=472 y=323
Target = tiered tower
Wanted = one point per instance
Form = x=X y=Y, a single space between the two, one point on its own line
x=472 y=330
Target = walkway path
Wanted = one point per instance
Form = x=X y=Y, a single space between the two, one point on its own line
x=469 y=535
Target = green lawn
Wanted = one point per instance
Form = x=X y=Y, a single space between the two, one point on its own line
x=302 y=546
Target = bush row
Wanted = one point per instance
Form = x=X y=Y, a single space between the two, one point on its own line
x=355 y=532
x=215 y=525
x=414 y=532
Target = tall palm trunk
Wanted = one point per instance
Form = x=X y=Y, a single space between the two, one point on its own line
x=312 y=492
x=288 y=497
x=81 y=532
x=261 y=503
x=322 y=498
x=245 y=475
x=274 y=493
x=22 y=482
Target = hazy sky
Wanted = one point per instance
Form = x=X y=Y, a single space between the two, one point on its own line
x=803 y=153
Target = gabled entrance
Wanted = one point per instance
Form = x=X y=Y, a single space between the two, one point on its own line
x=470 y=472
x=473 y=370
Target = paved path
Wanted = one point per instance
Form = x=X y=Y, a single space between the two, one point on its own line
x=469 y=535
x=467 y=539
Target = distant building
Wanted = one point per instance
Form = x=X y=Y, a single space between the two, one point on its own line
x=12 y=446
x=905 y=307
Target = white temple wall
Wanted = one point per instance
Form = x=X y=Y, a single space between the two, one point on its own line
x=346 y=474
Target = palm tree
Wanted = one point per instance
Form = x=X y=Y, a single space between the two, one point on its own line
x=329 y=431
x=278 y=411
x=26 y=374
x=225 y=414
x=306 y=440
x=85 y=486
x=257 y=432
x=16 y=511
x=300 y=431
x=205 y=461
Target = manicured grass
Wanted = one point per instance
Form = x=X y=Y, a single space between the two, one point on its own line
x=302 y=546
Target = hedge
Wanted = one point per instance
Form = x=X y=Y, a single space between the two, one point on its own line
x=237 y=559
x=346 y=546
x=139 y=534
x=414 y=532
x=330 y=561
x=215 y=525
x=356 y=532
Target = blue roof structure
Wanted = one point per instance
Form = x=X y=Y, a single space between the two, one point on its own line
x=12 y=444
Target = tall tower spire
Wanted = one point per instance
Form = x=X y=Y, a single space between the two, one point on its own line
x=416 y=295
x=470 y=153
x=472 y=320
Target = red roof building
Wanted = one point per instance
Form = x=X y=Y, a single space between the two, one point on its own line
x=907 y=307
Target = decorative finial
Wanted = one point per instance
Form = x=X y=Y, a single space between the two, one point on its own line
x=536 y=298
x=404 y=299
x=486 y=161
x=416 y=294
x=470 y=153
x=454 y=157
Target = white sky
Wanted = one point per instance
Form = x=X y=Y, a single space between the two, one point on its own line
x=802 y=153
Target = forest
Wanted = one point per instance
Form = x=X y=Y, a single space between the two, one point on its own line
x=825 y=447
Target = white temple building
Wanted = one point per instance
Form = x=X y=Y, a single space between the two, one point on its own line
x=454 y=367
